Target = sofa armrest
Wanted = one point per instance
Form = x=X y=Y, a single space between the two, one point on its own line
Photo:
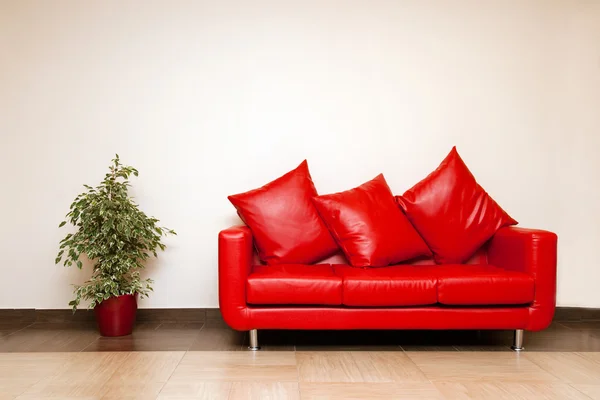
x=235 y=262
x=533 y=252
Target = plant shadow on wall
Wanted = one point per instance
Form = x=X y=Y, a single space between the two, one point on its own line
x=118 y=238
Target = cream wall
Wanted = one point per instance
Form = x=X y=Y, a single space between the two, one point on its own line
x=209 y=98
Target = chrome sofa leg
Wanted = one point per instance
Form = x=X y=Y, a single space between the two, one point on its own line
x=254 y=340
x=518 y=343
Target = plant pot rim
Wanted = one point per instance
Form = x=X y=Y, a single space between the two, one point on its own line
x=116 y=298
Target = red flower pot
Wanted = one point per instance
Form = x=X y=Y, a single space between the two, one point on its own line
x=116 y=315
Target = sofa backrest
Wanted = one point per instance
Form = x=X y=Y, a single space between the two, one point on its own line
x=480 y=257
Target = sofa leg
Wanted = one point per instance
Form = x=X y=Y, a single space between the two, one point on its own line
x=518 y=343
x=254 y=340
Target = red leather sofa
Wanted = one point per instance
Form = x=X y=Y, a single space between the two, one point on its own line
x=510 y=283
x=444 y=255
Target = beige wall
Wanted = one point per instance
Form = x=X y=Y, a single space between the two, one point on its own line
x=212 y=98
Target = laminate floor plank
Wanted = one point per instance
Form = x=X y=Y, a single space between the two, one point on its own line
x=480 y=367
x=218 y=339
x=142 y=374
x=264 y=391
x=213 y=335
x=455 y=340
x=350 y=340
x=343 y=391
x=236 y=366
x=47 y=337
x=151 y=337
x=592 y=391
x=510 y=390
x=8 y=328
x=582 y=325
x=193 y=389
x=343 y=366
x=170 y=375
x=564 y=340
x=569 y=367
x=69 y=360
x=20 y=371
x=83 y=375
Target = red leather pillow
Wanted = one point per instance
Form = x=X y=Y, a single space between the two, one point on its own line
x=283 y=220
x=452 y=212
x=369 y=227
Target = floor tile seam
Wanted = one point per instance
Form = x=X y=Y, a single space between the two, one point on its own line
x=67 y=359
x=356 y=364
x=19 y=330
x=384 y=383
x=297 y=372
x=585 y=355
x=115 y=368
x=91 y=343
x=563 y=325
x=375 y=366
x=423 y=373
x=571 y=385
x=230 y=390
x=192 y=341
x=30 y=386
x=541 y=365
x=298 y=383
x=171 y=374
x=511 y=383
x=507 y=380
x=501 y=380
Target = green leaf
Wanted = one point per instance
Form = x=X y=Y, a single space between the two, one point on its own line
x=62 y=224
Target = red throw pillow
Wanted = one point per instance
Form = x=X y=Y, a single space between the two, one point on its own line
x=369 y=227
x=283 y=220
x=452 y=212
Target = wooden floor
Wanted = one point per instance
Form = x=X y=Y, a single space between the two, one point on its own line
x=214 y=335
x=300 y=375
x=210 y=361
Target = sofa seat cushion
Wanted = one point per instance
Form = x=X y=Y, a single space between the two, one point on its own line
x=294 y=284
x=482 y=285
x=400 y=285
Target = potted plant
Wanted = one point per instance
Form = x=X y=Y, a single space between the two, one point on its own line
x=117 y=237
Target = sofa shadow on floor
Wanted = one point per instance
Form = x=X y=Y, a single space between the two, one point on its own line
x=214 y=335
